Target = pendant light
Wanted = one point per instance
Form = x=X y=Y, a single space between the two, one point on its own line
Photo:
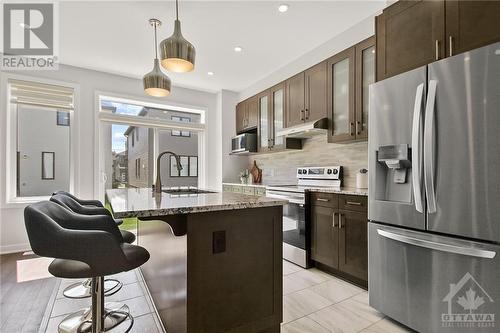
x=177 y=54
x=156 y=83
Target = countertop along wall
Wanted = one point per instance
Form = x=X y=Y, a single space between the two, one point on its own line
x=281 y=168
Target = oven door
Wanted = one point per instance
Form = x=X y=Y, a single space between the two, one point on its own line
x=294 y=226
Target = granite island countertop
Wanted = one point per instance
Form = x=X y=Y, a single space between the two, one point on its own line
x=142 y=202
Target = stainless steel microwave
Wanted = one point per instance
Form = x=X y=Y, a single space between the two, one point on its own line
x=244 y=143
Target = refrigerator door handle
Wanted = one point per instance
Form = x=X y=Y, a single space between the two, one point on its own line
x=467 y=251
x=429 y=147
x=415 y=148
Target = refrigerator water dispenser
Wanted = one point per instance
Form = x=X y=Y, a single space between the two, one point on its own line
x=396 y=158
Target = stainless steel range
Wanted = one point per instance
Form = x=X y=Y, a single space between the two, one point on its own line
x=296 y=225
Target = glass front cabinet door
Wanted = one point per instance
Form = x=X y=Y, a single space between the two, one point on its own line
x=264 y=122
x=350 y=73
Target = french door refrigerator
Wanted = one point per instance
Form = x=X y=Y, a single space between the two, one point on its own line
x=434 y=195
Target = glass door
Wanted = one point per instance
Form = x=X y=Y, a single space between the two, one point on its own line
x=341 y=96
x=277 y=114
x=264 y=122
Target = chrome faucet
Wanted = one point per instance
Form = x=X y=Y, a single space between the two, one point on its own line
x=158 y=185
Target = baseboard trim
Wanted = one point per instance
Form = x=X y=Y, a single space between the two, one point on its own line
x=5 y=249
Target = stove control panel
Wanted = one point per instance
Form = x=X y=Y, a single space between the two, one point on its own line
x=329 y=172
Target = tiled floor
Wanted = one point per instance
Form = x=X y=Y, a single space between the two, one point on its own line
x=316 y=302
x=313 y=302
x=132 y=294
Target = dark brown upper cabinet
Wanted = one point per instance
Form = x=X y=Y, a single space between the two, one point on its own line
x=271 y=114
x=247 y=113
x=315 y=92
x=411 y=34
x=295 y=105
x=350 y=72
x=471 y=24
x=306 y=95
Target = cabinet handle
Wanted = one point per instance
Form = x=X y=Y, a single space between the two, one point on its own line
x=352 y=125
x=322 y=199
x=307 y=114
x=340 y=221
x=355 y=203
x=451 y=45
x=333 y=224
x=301 y=114
x=437 y=49
x=358 y=123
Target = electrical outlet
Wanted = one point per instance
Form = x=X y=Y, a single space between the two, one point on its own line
x=219 y=241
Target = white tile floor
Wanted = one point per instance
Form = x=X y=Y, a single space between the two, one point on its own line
x=313 y=302
x=316 y=302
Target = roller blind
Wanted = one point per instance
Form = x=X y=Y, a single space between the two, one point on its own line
x=41 y=94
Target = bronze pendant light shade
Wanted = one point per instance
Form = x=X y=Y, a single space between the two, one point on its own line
x=156 y=83
x=177 y=53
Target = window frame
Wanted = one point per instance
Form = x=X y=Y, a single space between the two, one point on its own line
x=188 y=168
x=102 y=117
x=8 y=125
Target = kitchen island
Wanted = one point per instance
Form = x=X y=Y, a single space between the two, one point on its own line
x=216 y=258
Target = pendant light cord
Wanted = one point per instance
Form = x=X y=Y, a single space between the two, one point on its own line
x=177 y=9
x=156 y=47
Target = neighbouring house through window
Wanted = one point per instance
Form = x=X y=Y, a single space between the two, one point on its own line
x=189 y=166
x=40 y=145
x=178 y=132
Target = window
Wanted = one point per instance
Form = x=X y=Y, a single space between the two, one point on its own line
x=137 y=134
x=40 y=140
x=137 y=168
x=189 y=166
x=62 y=118
x=133 y=138
x=178 y=132
x=48 y=165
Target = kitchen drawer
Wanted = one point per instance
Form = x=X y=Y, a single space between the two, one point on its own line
x=237 y=189
x=248 y=190
x=227 y=188
x=353 y=202
x=260 y=191
x=324 y=199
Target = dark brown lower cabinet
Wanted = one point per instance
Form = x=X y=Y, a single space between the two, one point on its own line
x=325 y=240
x=353 y=243
x=339 y=237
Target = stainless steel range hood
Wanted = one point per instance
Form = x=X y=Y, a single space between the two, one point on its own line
x=306 y=130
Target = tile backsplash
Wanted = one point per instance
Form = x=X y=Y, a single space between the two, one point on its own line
x=281 y=167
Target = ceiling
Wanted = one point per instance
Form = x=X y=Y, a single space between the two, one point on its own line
x=115 y=36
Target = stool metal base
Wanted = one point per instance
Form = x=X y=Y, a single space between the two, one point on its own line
x=83 y=289
x=81 y=321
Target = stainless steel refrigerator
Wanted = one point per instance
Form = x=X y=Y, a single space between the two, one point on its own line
x=434 y=194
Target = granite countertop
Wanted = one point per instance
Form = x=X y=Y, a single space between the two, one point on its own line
x=250 y=185
x=142 y=202
x=341 y=190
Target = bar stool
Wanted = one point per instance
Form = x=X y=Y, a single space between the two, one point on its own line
x=83 y=247
x=83 y=289
x=88 y=203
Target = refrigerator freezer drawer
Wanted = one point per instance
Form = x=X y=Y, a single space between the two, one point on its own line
x=434 y=283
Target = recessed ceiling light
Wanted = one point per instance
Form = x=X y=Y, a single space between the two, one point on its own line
x=210 y=73
x=283 y=8
x=237 y=49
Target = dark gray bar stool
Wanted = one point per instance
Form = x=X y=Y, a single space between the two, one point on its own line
x=83 y=289
x=83 y=247
x=88 y=203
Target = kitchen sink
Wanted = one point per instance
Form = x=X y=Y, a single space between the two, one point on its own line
x=180 y=191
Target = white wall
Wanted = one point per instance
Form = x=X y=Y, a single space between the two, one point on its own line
x=231 y=165
x=12 y=231
x=353 y=35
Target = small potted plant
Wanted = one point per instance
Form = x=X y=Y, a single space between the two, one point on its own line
x=244 y=175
